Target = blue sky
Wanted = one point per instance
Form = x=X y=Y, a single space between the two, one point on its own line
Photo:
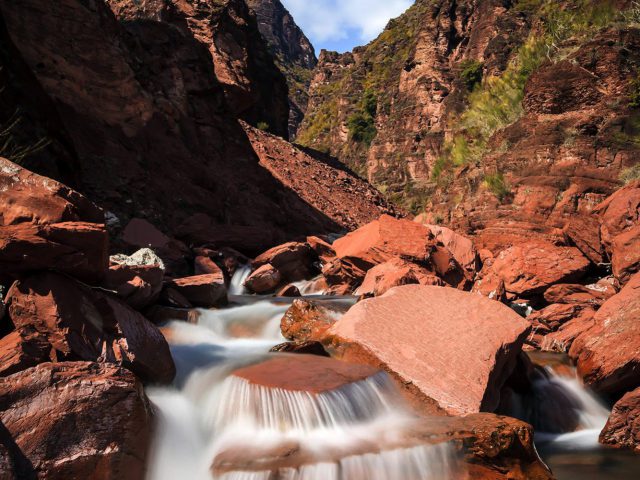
x=343 y=24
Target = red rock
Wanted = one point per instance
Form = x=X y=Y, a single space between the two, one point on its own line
x=578 y=294
x=173 y=298
x=202 y=290
x=444 y=346
x=609 y=358
x=562 y=340
x=308 y=320
x=490 y=447
x=289 y=291
x=488 y=283
x=264 y=279
x=87 y=324
x=395 y=273
x=74 y=420
x=625 y=254
x=584 y=233
x=293 y=260
x=532 y=267
x=619 y=212
x=342 y=276
x=383 y=240
x=21 y=350
x=305 y=373
x=159 y=314
x=30 y=198
x=75 y=248
x=204 y=265
x=307 y=348
x=555 y=327
x=623 y=428
x=139 y=286
x=324 y=250
x=462 y=249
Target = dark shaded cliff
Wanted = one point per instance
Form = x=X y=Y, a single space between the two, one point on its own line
x=293 y=53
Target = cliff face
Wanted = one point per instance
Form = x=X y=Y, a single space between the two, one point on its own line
x=503 y=118
x=141 y=101
x=293 y=53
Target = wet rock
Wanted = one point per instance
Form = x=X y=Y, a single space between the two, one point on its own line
x=289 y=291
x=293 y=260
x=532 y=267
x=609 y=352
x=305 y=373
x=201 y=290
x=433 y=340
x=204 y=265
x=23 y=349
x=74 y=420
x=139 y=286
x=308 y=320
x=623 y=428
x=264 y=279
x=81 y=323
x=395 y=273
x=309 y=348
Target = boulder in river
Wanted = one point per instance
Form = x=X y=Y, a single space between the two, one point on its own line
x=137 y=279
x=264 y=279
x=395 y=273
x=294 y=260
x=81 y=323
x=623 y=428
x=451 y=351
x=75 y=420
x=308 y=320
x=204 y=291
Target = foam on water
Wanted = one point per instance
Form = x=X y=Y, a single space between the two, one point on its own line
x=236 y=287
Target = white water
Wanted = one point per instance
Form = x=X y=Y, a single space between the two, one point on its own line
x=354 y=432
x=236 y=287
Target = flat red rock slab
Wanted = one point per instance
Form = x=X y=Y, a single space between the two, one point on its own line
x=304 y=373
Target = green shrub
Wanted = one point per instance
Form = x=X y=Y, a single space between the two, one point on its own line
x=631 y=174
x=496 y=183
x=361 y=123
x=471 y=73
x=264 y=126
x=634 y=92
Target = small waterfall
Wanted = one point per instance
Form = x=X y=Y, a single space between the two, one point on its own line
x=212 y=424
x=237 y=282
x=311 y=287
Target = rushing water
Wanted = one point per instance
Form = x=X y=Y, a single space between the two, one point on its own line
x=211 y=419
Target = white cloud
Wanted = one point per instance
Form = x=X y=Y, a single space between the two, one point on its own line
x=333 y=20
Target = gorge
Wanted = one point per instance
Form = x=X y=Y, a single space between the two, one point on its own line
x=222 y=257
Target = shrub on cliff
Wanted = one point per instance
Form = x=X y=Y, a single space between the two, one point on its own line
x=361 y=123
x=471 y=72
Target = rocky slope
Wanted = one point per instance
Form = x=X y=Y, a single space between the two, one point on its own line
x=148 y=87
x=496 y=117
x=292 y=51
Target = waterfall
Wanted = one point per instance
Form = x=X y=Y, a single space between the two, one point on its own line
x=213 y=424
x=237 y=282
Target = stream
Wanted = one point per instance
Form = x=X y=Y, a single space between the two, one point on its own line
x=209 y=414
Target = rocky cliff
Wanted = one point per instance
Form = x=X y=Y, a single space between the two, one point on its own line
x=496 y=116
x=292 y=51
x=138 y=105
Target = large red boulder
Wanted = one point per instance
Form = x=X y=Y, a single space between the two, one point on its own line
x=74 y=421
x=625 y=254
x=201 y=290
x=30 y=198
x=584 y=233
x=450 y=350
x=532 y=267
x=137 y=279
x=45 y=225
x=578 y=294
x=462 y=250
x=623 y=427
x=75 y=248
x=609 y=352
x=85 y=324
x=383 y=240
x=294 y=260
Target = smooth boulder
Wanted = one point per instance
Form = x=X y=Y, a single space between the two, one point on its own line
x=204 y=291
x=81 y=323
x=452 y=351
x=74 y=421
x=264 y=279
